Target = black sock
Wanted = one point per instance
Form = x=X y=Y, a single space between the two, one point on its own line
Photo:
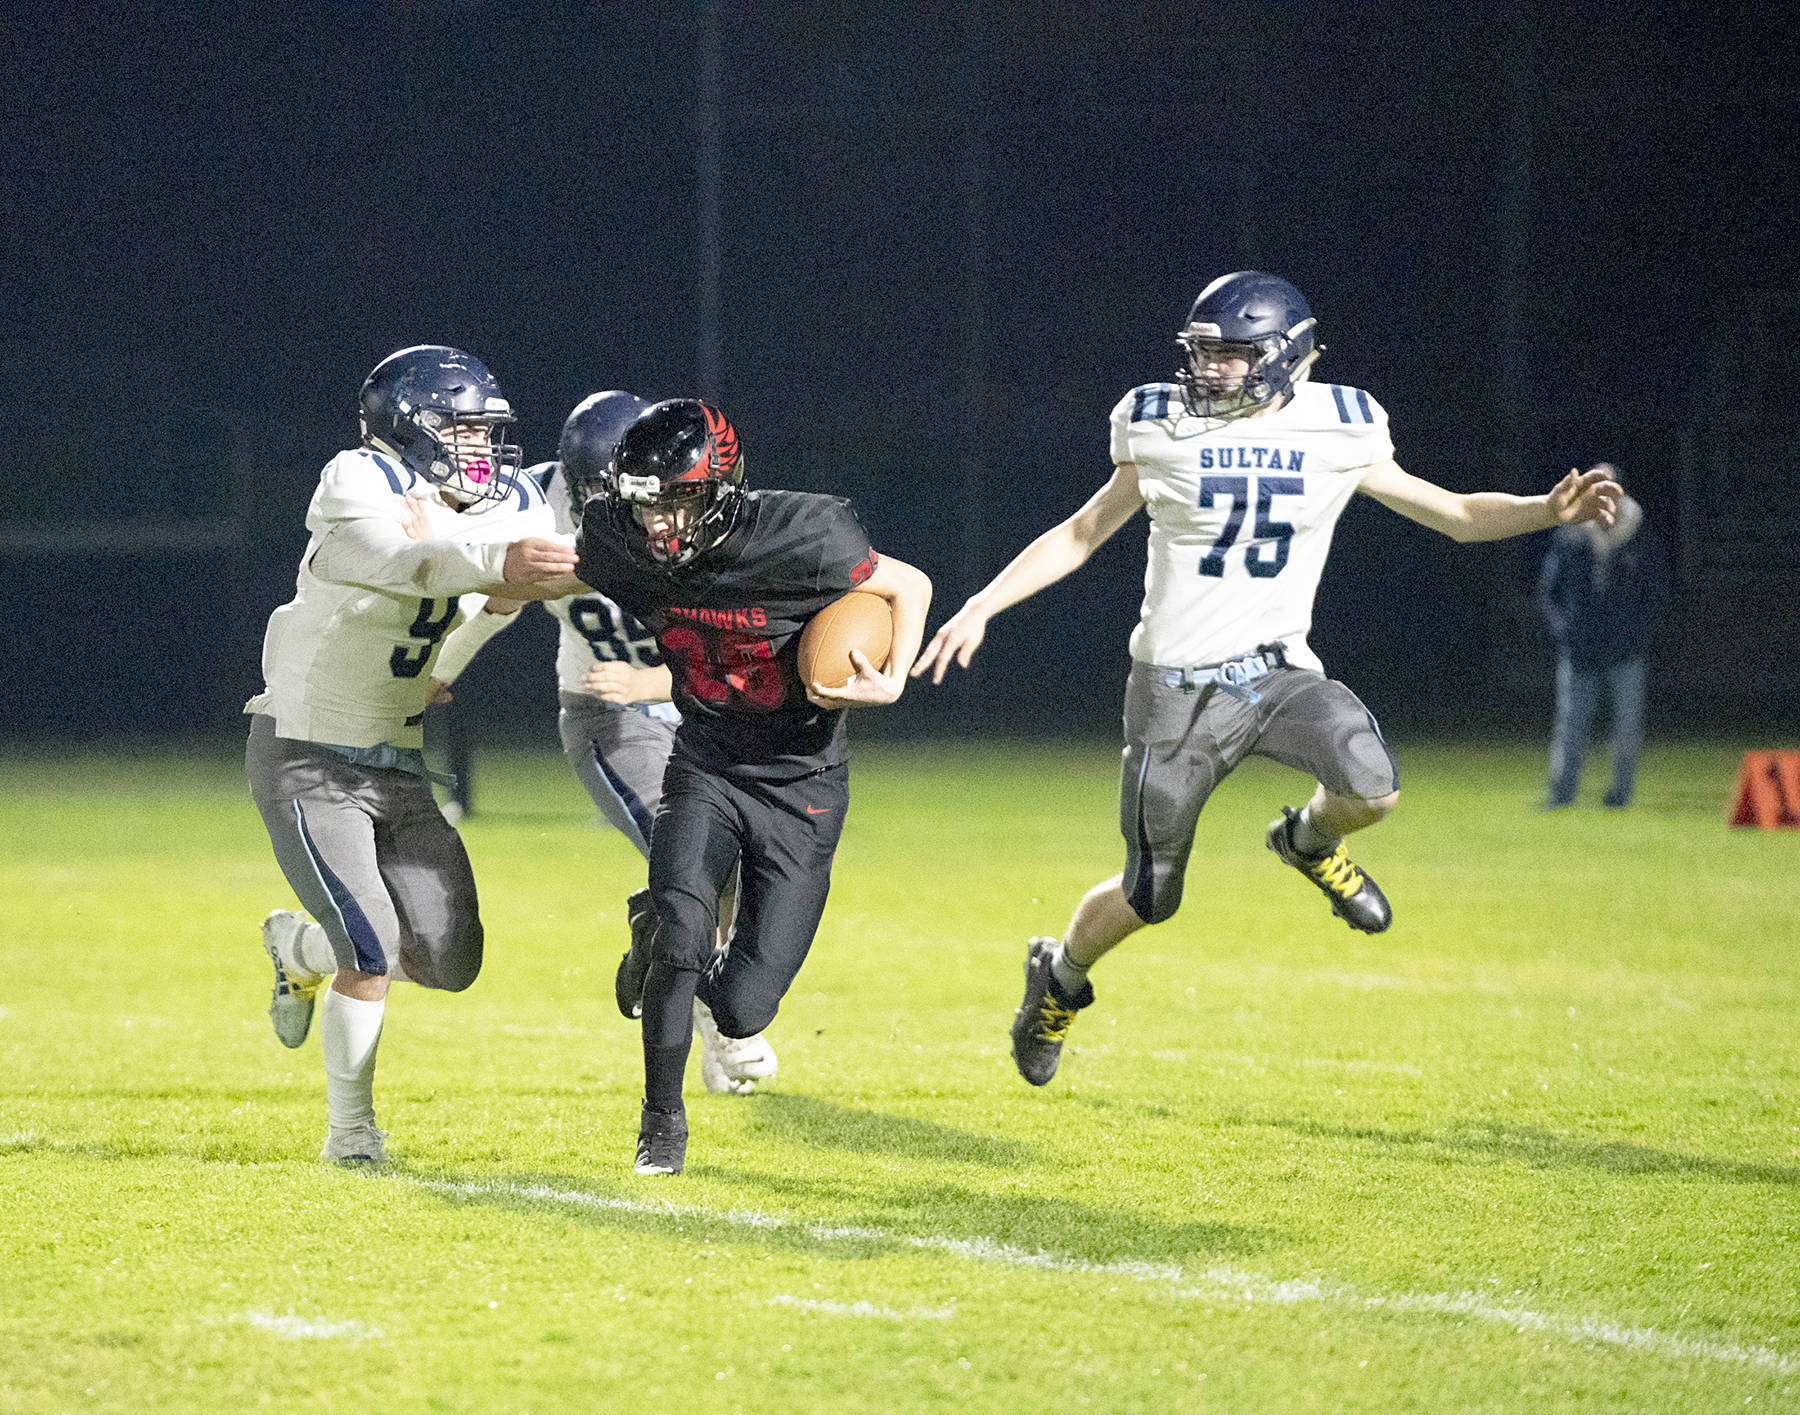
x=663 y=1069
x=668 y=1032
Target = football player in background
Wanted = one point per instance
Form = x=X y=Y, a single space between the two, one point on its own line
x=335 y=756
x=615 y=718
x=1244 y=467
x=758 y=780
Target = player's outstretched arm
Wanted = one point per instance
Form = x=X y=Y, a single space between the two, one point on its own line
x=616 y=682
x=1059 y=551
x=538 y=568
x=1494 y=515
x=483 y=619
x=908 y=593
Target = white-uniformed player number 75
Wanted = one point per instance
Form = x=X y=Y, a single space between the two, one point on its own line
x=1266 y=531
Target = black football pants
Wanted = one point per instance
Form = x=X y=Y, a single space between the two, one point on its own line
x=781 y=837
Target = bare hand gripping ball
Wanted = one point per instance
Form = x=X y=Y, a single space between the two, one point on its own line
x=857 y=621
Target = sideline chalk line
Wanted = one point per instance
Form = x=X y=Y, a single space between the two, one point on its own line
x=1215 y=1284
x=863 y=1309
x=309 y=1328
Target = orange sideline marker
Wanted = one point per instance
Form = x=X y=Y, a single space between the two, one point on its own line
x=1768 y=791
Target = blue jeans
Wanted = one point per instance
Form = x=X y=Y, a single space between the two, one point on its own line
x=1577 y=695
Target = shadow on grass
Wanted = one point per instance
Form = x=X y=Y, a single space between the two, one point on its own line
x=808 y=1120
x=865 y=1220
x=1028 y=1219
x=1025 y=1230
x=1545 y=1149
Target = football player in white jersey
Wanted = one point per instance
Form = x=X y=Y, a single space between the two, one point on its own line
x=1244 y=467
x=615 y=717
x=431 y=505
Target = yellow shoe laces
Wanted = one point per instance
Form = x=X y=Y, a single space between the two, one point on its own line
x=1054 y=1020
x=1337 y=874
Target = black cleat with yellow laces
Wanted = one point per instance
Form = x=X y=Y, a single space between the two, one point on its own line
x=1355 y=898
x=1044 y=1017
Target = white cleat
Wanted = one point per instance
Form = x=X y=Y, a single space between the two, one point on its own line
x=292 y=998
x=731 y=1065
x=355 y=1147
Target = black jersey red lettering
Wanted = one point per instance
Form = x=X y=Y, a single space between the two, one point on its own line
x=728 y=624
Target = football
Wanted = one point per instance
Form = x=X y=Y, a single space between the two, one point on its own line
x=857 y=621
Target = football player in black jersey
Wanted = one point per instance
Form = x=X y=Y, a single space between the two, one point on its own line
x=726 y=579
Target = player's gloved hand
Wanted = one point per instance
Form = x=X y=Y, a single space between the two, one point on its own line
x=869 y=688
x=958 y=638
x=1586 y=496
x=621 y=683
x=440 y=692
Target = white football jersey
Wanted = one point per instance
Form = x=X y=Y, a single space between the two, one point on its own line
x=348 y=660
x=1241 y=515
x=592 y=629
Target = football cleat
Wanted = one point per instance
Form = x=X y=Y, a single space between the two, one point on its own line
x=628 y=983
x=662 y=1141
x=356 y=1147
x=1044 y=1017
x=731 y=1065
x=291 y=1001
x=1355 y=898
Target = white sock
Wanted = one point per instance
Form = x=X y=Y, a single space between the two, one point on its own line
x=1309 y=839
x=1070 y=976
x=349 y=1032
x=308 y=953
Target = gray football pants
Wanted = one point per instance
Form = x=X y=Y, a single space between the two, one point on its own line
x=618 y=754
x=371 y=858
x=1180 y=743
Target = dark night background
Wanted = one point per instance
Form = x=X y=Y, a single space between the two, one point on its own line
x=950 y=237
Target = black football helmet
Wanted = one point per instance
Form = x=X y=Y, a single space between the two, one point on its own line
x=1253 y=316
x=441 y=413
x=679 y=453
x=589 y=436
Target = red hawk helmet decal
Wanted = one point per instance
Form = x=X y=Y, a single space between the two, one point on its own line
x=724 y=439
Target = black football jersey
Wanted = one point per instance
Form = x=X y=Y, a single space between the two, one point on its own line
x=728 y=624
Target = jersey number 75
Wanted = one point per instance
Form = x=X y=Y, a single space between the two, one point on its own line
x=1267 y=530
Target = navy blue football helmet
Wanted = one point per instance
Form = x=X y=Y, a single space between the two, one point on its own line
x=589 y=437
x=678 y=454
x=1253 y=316
x=441 y=413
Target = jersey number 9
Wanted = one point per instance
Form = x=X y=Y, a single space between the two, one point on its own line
x=428 y=624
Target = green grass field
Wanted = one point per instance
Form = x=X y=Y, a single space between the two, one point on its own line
x=1537 y=1147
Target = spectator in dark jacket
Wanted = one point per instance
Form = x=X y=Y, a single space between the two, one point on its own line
x=1603 y=592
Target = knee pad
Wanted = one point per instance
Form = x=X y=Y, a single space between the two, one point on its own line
x=1153 y=888
x=685 y=933
x=743 y=1017
x=1368 y=767
x=1165 y=896
x=451 y=968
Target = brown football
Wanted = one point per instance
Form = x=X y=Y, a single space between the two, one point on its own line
x=857 y=621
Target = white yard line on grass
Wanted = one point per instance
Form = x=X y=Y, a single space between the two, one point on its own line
x=864 y=1309
x=309 y=1328
x=1219 y=1284
x=1396 y=1068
